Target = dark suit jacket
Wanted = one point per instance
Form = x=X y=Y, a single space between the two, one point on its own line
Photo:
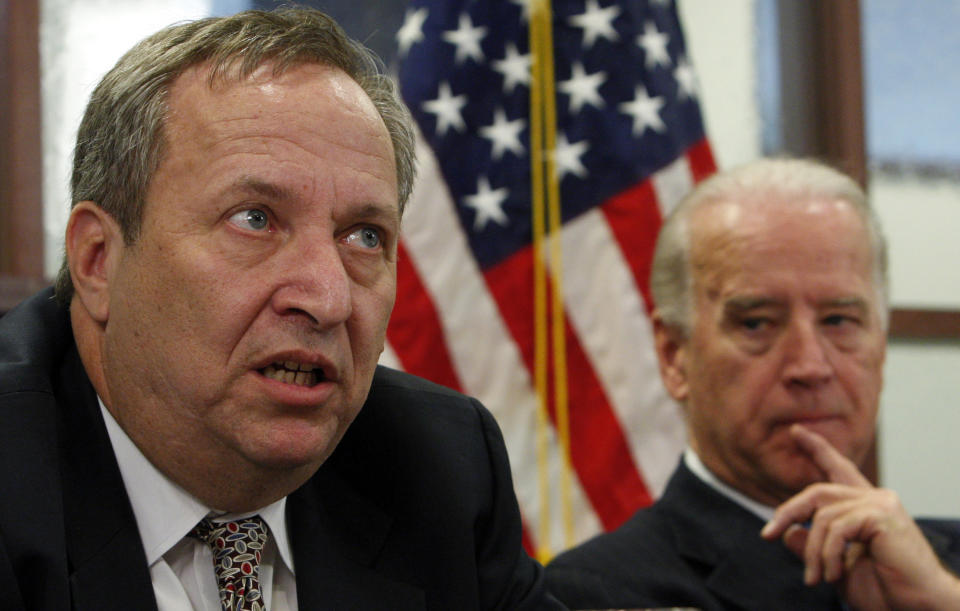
x=695 y=547
x=414 y=510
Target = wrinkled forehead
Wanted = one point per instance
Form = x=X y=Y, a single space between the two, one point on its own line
x=318 y=97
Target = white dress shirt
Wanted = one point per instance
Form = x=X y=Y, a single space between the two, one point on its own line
x=181 y=566
x=693 y=462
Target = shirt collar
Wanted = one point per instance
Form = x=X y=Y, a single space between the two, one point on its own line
x=165 y=512
x=693 y=462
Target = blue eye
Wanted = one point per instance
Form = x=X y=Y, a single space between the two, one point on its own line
x=251 y=218
x=367 y=237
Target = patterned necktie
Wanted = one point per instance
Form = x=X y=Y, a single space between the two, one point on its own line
x=236 y=559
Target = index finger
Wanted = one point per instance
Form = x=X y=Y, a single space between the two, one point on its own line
x=838 y=468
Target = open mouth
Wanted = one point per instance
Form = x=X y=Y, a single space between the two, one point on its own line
x=291 y=372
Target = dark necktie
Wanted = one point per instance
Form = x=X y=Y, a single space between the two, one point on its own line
x=236 y=550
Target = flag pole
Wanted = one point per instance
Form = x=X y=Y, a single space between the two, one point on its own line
x=554 y=225
x=544 y=551
x=546 y=210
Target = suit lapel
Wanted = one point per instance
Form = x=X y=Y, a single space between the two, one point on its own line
x=744 y=570
x=758 y=575
x=107 y=561
x=336 y=536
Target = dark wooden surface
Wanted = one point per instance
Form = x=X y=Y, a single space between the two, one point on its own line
x=21 y=202
x=923 y=324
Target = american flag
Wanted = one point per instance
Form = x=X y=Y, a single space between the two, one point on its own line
x=628 y=142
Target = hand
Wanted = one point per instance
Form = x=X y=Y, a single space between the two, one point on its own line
x=860 y=537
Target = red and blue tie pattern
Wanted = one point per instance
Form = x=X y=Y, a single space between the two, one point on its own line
x=237 y=547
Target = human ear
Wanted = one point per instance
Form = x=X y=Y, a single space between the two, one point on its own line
x=671 y=344
x=93 y=246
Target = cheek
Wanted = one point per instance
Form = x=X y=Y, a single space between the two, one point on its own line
x=371 y=310
x=735 y=389
x=862 y=378
x=200 y=306
x=720 y=377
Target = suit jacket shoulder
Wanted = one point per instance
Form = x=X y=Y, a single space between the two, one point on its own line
x=31 y=514
x=944 y=537
x=424 y=499
x=66 y=527
x=693 y=547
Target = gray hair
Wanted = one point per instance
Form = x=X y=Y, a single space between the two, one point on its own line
x=777 y=181
x=121 y=139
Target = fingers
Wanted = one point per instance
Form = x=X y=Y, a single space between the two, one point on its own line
x=846 y=525
x=852 y=554
x=830 y=546
x=802 y=507
x=795 y=538
x=837 y=532
x=862 y=537
x=839 y=468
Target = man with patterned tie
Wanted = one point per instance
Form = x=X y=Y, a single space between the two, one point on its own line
x=771 y=309
x=181 y=421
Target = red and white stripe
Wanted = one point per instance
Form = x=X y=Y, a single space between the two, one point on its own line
x=473 y=331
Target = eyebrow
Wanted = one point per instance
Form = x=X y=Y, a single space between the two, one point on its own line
x=845 y=302
x=388 y=213
x=261 y=187
x=274 y=191
x=745 y=303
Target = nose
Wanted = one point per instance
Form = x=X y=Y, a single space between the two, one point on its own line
x=315 y=285
x=807 y=356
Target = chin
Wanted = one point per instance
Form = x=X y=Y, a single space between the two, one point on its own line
x=301 y=447
x=287 y=459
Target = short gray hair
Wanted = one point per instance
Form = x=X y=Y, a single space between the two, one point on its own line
x=121 y=139
x=778 y=181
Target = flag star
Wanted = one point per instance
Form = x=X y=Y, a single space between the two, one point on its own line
x=504 y=134
x=515 y=68
x=645 y=111
x=488 y=203
x=447 y=109
x=596 y=23
x=654 y=43
x=524 y=7
x=566 y=156
x=583 y=88
x=467 y=40
x=686 y=79
x=412 y=30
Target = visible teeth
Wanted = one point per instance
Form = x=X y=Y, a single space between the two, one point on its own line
x=295 y=366
x=291 y=372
